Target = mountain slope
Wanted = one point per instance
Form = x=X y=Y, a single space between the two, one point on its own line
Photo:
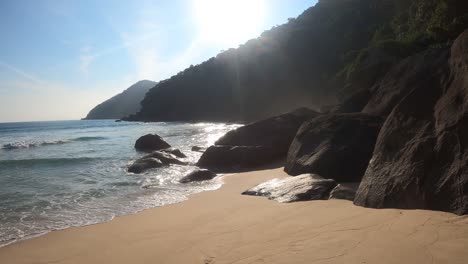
x=123 y=104
x=310 y=61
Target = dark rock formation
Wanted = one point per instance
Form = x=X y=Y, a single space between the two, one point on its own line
x=416 y=71
x=165 y=158
x=421 y=157
x=237 y=158
x=344 y=191
x=276 y=132
x=198 y=175
x=335 y=146
x=301 y=188
x=123 y=104
x=150 y=143
x=174 y=151
x=142 y=165
x=198 y=149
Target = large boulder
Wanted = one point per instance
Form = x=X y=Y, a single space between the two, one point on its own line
x=166 y=158
x=416 y=71
x=421 y=156
x=142 y=165
x=198 y=175
x=237 y=158
x=335 y=146
x=301 y=188
x=150 y=142
x=277 y=132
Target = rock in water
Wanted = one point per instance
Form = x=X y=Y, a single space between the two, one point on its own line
x=175 y=152
x=301 y=188
x=198 y=149
x=142 y=165
x=198 y=175
x=421 y=157
x=150 y=143
x=335 y=146
x=165 y=158
x=344 y=191
x=276 y=132
x=237 y=158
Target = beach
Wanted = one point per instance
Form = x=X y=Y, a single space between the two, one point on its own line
x=223 y=226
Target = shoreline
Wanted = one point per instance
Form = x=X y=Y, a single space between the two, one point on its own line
x=223 y=226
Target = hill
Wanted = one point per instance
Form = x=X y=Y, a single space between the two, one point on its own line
x=123 y=104
x=327 y=53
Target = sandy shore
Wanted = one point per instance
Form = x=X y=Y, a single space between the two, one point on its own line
x=225 y=227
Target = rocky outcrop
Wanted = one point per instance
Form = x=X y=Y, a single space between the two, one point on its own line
x=150 y=142
x=421 y=156
x=301 y=188
x=335 y=146
x=197 y=176
x=165 y=158
x=276 y=132
x=344 y=191
x=142 y=165
x=198 y=149
x=237 y=158
x=174 y=151
x=416 y=71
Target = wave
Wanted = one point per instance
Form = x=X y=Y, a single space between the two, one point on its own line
x=45 y=162
x=24 y=144
x=88 y=138
x=34 y=144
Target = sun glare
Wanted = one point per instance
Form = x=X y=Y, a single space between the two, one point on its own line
x=230 y=22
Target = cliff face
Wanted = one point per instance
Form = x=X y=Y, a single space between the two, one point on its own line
x=123 y=104
x=323 y=56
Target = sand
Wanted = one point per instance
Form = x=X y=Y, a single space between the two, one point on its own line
x=223 y=226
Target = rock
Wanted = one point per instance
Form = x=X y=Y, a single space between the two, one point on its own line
x=198 y=175
x=335 y=146
x=301 y=188
x=150 y=143
x=276 y=132
x=403 y=78
x=165 y=158
x=344 y=191
x=353 y=103
x=145 y=164
x=421 y=157
x=198 y=149
x=237 y=158
x=174 y=151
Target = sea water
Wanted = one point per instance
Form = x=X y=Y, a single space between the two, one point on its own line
x=55 y=175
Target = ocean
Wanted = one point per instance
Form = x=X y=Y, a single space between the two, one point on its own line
x=60 y=174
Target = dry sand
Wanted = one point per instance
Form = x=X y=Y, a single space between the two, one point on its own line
x=225 y=227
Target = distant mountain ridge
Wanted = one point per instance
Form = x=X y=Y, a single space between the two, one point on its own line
x=123 y=104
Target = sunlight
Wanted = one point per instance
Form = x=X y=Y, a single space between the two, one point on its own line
x=229 y=22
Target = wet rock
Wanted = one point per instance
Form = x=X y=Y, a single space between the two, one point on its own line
x=335 y=146
x=198 y=175
x=198 y=149
x=165 y=158
x=142 y=165
x=301 y=188
x=174 y=151
x=237 y=158
x=150 y=143
x=275 y=132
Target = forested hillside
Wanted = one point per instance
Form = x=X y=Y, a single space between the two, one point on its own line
x=325 y=55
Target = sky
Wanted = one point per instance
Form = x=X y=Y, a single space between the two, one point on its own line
x=60 y=58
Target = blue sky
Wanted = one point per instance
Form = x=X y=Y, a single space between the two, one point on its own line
x=60 y=58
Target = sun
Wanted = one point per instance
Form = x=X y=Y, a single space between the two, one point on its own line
x=229 y=22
